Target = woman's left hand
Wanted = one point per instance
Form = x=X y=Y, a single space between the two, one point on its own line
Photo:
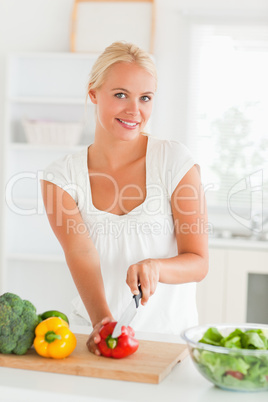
x=145 y=273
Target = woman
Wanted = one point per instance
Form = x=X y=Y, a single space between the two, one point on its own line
x=129 y=209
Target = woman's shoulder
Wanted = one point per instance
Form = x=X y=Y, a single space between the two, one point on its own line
x=171 y=160
x=168 y=148
x=70 y=161
x=68 y=172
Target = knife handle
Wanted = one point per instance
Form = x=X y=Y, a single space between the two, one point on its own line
x=138 y=297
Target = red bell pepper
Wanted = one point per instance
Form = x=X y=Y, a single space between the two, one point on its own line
x=119 y=347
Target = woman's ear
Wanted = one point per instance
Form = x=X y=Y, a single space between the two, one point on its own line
x=92 y=95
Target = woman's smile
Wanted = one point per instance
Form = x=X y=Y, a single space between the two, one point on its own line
x=129 y=124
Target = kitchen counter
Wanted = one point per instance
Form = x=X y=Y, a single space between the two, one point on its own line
x=183 y=383
x=238 y=243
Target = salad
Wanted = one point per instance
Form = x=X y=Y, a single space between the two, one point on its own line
x=235 y=367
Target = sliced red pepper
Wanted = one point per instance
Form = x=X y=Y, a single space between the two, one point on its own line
x=120 y=347
x=235 y=374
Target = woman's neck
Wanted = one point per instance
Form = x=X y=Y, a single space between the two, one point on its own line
x=115 y=154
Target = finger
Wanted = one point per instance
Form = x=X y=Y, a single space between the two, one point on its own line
x=94 y=339
x=132 y=279
x=153 y=285
x=92 y=347
x=97 y=339
x=92 y=344
x=145 y=288
x=105 y=320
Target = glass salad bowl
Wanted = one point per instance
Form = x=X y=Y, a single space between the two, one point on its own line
x=233 y=357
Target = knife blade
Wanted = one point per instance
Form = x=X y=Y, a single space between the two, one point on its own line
x=128 y=314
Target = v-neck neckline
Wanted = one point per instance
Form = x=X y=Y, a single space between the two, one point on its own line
x=132 y=211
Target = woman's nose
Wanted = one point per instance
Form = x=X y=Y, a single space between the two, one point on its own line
x=132 y=108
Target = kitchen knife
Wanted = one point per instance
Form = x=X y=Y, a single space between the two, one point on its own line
x=128 y=314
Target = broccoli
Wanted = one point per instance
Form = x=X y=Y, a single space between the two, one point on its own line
x=18 y=320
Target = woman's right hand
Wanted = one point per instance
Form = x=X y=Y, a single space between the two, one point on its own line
x=94 y=337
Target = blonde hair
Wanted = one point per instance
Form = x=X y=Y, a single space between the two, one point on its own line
x=115 y=53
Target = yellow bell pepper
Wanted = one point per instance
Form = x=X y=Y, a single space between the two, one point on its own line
x=53 y=338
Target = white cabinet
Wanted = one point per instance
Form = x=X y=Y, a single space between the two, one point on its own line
x=247 y=284
x=211 y=291
x=236 y=287
x=47 y=87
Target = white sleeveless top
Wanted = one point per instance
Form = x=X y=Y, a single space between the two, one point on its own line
x=145 y=232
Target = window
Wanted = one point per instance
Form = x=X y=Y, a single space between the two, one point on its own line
x=228 y=113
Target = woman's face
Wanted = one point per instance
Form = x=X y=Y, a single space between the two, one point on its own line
x=124 y=101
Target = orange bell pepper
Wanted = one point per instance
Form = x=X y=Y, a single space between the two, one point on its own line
x=53 y=338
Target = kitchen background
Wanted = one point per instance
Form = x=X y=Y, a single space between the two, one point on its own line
x=212 y=60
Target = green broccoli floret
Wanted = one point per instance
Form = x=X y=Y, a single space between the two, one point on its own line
x=18 y=320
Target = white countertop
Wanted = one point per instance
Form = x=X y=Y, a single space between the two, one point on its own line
x=238 y=243
x=184 y=383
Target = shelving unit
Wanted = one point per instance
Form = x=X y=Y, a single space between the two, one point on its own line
x=50 y=87
x=44 y=86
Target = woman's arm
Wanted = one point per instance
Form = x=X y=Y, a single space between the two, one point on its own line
x=190 y=221
x=81 y=255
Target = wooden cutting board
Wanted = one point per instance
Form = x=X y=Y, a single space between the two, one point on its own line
x=152 y=362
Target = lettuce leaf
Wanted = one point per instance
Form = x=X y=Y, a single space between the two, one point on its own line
x=254 y=340
x=212 y=337
x=250 y=339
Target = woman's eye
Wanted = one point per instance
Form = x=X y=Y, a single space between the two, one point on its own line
x=145 y=98
x=120 y=95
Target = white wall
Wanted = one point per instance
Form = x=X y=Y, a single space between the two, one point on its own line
x=44 y=25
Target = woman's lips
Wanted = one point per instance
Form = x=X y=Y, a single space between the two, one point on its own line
x=128 y=123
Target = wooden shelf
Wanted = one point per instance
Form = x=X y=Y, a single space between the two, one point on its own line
x=55 y=55
x=24 y=146
x=36 y=257
x=45 y=100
